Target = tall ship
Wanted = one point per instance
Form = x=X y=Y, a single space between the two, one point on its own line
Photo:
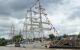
x=37 y=25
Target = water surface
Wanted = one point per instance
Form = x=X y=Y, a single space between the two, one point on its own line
x=16 y=48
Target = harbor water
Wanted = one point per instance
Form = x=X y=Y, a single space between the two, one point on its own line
x=18 y=48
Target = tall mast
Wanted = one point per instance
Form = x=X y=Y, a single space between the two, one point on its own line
x=12 y=31
x=40 y=24
x=31 y=28
x=25 y=28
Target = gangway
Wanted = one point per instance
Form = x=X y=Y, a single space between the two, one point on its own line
x=62 y=42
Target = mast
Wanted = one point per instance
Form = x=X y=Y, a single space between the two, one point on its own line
x=31 y=28
x=25 y=28
x=40 y=24
x=12 y=31
x=36 y=22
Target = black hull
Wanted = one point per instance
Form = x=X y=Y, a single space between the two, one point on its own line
x=65 y=47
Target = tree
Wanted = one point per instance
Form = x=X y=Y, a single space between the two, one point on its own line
x=3 y=42
x=65 y=36
x=17 y=39
x=59 y=37
x=79 y=35
x=51 y=37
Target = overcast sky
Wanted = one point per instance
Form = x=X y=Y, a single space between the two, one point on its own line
x=63 y=14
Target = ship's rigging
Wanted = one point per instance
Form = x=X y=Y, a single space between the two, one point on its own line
x=36 y=20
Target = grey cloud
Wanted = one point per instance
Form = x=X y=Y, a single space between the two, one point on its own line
x=8 y=7
x=18 y=5
x=4 y=10
x=5 y=25
x=4 y=29
x=53 y=2
x=75 y=14
x=14 y=7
